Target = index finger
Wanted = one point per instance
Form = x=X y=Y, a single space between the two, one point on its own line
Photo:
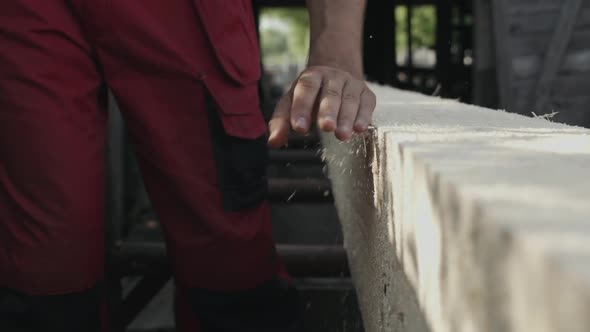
x=279 y=124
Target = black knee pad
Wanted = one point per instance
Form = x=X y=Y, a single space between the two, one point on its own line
x=74 y=312
x=271 y=307
x=14 y=312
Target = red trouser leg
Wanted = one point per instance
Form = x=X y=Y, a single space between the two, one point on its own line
x=52 y=133
x=206 y=185
x=208 y=189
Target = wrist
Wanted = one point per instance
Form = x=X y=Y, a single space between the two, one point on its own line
x=337 y=52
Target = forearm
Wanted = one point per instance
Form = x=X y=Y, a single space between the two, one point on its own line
x=332 y=89
x=337 y=34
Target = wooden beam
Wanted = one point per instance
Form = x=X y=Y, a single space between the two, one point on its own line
x=556 y=51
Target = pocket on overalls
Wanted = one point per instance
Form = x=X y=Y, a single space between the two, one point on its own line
x=241 y=164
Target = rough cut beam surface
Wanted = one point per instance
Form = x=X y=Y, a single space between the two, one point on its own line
x=460 y=219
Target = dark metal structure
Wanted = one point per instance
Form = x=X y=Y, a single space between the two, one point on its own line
x=451 y=76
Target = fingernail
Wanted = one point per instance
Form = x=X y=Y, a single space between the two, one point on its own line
x=301 y=123
x=361 y=126
x=345 y=132
x=328 y=123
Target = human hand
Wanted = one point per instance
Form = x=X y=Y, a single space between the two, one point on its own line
x=338 y=101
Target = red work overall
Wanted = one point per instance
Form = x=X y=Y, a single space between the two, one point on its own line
x=184 y=73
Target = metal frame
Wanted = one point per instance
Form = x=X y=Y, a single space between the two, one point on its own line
x=302 y=261
x=451 y=76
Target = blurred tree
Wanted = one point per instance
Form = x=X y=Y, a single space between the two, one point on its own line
x=293 y=25
x=275 y=42
x=423 y=27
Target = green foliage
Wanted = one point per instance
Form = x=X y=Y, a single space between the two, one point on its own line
x=274 y=42
x=289 y=41
x=423 y=26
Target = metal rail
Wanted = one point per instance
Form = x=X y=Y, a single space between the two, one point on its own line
x=300 y=191
x=295 y=156
x=302 y=261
